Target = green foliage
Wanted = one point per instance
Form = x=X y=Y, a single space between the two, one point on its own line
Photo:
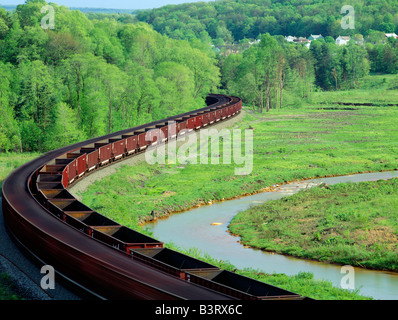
x=383 y=57
x=7 y=289
x=234 y=20
x=9 y=132
x=108 y=74
x=88 y=77
x=338 y=66
x=230 y=22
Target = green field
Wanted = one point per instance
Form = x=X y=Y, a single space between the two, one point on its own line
x=352 y=224
x=376 y=89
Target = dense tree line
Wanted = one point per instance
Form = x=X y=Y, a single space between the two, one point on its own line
x=270 y=74
x=88 y=77
x=234 y=20
x=96 y=74
x=383 y=57
x=267 y=75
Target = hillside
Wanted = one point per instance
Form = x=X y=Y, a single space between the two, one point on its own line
x=234 y=20
x=88 y=77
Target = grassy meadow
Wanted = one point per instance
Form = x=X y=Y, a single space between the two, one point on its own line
x=351 y=224
x=376 y=89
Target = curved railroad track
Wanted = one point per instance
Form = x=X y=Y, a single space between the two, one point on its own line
x=98 y=254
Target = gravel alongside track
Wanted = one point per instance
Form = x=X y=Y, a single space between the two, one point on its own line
x=24 y=273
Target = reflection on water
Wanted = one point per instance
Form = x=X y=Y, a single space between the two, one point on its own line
x=206 y=228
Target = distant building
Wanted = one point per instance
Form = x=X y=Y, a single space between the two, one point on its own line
x=290 y=38
x=254 y=42
x=389 y=35
x=301 y=40
x=315 y=37
x=342 y=40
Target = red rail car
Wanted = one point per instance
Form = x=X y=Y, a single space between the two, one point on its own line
x=81 y=162
x=164 y=128
x=118 y=147
x=92 y=157
x=198 y=121
x=131 y=143
x=104 y=152
x=205 y=119
x=191 y=123
x=218 y=115
x=142 y=139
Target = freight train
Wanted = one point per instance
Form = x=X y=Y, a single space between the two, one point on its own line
x=98 y=254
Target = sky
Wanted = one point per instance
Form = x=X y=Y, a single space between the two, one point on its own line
x=114 y=4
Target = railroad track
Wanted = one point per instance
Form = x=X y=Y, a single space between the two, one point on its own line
x=99 y=255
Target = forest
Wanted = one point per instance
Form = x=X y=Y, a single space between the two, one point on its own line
x=97 y=73
x=86 y=78
x=229 y=21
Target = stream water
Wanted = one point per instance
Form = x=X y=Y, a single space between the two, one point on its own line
x=195 y=228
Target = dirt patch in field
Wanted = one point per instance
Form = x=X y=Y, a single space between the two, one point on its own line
x=380 y=235
x=168 y=193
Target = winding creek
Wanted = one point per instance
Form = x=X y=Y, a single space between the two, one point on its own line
x=194 y=229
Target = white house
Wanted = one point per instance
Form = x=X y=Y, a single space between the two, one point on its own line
x=290 y=38
x=341 y=40
x=388 y=35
